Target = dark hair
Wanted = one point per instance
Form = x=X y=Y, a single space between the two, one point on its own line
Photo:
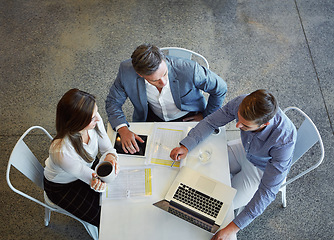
x=259 y=106
x=74 y=113
x=146 y=59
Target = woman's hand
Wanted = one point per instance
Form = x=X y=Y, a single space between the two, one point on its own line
x=113 y=159
x=97 y=184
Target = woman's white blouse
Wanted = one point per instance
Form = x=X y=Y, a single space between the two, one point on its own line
x=64 y=165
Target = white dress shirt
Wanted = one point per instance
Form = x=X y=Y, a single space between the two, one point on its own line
x=162 y=104
x=64 y=164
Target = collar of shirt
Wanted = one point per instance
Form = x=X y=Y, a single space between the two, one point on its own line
x=275 y=122
x=264 y=134
x=153 y=92
x=162 y=104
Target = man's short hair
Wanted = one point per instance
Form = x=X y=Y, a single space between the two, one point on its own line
x=259 y=107
x=146 y=59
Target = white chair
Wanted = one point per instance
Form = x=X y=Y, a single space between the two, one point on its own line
x=307 y=136
x=188 y=54
x=185 y=53
x=25 y=161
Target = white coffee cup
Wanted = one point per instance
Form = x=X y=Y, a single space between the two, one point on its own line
x=106 y=171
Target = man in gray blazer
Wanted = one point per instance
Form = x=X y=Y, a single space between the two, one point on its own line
x=161 y=88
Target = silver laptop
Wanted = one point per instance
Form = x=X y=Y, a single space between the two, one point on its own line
x=198 y=199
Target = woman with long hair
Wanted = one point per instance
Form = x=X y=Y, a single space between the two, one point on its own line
x=69 y=179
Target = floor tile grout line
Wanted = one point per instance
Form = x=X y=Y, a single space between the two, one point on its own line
x=314 y=67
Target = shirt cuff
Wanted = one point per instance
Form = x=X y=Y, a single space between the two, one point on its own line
x=242 y=220
x=189 y=143
x=121 y=125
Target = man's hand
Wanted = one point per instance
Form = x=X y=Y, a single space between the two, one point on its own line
x=179 y=153
x=128 y=140
x=196 y=118
x=227 y=233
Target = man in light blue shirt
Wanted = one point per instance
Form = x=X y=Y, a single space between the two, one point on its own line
x=259 y=162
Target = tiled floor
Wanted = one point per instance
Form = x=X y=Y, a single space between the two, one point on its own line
x=48 y=47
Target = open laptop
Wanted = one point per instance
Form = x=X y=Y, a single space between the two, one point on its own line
x=198 y=199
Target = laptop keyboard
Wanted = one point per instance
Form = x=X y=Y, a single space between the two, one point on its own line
x=198 y=200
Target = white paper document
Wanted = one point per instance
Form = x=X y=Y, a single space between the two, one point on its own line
x=165 y=139
x=130 y=183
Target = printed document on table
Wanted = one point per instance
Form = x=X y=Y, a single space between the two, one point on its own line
x=130 y=183
x=165 y=138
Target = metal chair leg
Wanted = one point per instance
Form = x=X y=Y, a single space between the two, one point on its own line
x=47 y=217
x=283 y=190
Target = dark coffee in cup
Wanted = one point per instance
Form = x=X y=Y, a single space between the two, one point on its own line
x=104 y=169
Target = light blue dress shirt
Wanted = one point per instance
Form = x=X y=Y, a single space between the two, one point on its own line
x=270 y=150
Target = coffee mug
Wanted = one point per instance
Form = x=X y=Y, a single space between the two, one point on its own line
x=106 y=171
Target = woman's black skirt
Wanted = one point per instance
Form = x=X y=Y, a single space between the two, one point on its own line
x=77 y=198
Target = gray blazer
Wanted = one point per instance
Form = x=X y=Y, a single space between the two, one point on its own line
x=186 y=78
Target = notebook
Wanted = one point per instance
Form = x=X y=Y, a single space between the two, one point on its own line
x=198 y=199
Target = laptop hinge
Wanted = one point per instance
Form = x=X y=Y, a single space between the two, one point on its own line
x=192 y=217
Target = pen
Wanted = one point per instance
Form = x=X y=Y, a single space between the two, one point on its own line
x=174 y=161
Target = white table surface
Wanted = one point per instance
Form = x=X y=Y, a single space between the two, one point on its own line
x=137 y=218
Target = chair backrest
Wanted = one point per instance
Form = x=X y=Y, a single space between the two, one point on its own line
x=307 y=136
x=25 y=161
x=185 y=53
